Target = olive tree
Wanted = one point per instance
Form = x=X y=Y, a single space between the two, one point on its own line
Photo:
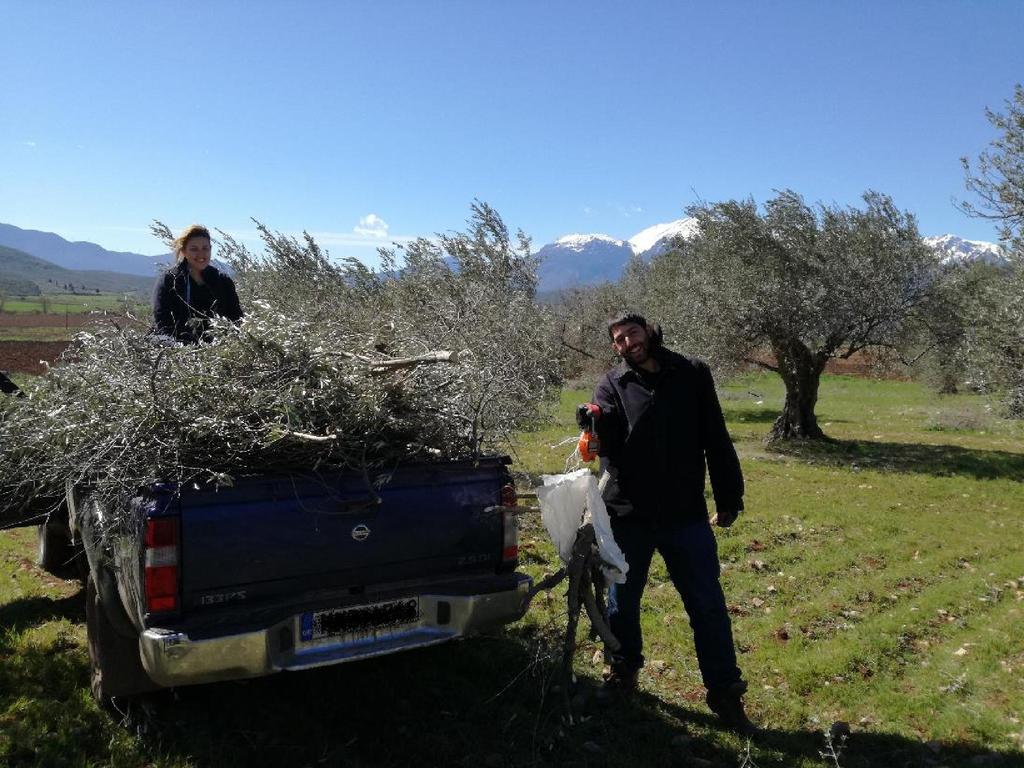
x=943 y=336
x=790 y=286
x=580 y=325
x=994 y=348
x=997 y=178
x=581 y=319
x=997 y=181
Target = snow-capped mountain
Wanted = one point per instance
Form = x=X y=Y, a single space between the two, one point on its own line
x=576 y=260
x=655 y=240
x=581 y=260
x=957 y=250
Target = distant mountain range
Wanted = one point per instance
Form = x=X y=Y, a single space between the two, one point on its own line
x=24 y=274
x=957 y=250
x=79 y=255
x=579 y=260
x=572 y=260
x=576 y=260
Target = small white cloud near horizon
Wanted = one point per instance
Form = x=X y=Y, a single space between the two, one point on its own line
x=372 y=225
x=29 y=144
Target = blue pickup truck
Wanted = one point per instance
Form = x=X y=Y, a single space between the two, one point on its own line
x=289 y=573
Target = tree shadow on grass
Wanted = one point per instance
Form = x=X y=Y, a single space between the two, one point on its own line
x=754 y=416
x=765 y=416
x=779 y=747
x=482 y=702
x=26 y=612
x=46 y=717
x=938 y=460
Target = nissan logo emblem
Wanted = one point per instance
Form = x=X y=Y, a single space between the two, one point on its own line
x=360 y=533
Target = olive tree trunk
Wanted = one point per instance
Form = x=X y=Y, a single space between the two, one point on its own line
x=800 y=370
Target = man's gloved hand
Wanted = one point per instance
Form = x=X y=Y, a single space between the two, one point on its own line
x=724 y=518
x=587 y=414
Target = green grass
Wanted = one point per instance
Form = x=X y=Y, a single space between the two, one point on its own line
x=38 y=333
x=20 y=379
x=876 y=579
x=60 y=303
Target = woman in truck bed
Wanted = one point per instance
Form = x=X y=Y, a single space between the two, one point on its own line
x=193 y=290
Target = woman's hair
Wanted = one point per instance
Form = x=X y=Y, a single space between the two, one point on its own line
x=181 y=241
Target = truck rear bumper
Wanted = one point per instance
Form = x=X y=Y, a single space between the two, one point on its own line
x=172 y=658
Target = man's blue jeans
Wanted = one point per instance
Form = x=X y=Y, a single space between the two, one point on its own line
x=691 y=555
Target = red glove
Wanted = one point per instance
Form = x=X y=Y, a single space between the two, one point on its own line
x=587 y=415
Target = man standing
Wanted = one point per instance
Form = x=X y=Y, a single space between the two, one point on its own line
x=659 y=422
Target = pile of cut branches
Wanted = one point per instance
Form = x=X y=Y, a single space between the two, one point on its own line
x=440 y=354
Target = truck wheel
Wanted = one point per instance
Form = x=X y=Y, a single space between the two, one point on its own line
x=55 y=552
x=114 y=664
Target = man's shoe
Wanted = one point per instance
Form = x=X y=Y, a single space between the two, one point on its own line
x=727 y=703
x=618 y=684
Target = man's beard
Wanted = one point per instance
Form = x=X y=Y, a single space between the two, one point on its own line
x=638 y=353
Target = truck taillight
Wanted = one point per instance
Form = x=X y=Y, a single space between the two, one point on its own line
x=510 y=527
x=510 y=539
x=162 y=560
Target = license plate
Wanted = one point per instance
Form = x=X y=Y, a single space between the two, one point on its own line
x=360 y=619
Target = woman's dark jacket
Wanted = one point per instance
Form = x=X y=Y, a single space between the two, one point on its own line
x=656 y=431
x=171 y=310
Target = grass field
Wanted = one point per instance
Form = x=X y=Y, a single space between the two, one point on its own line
x=38 y=333
x=60 y=303
x=24 y=318
x=27 y=332
x=876 y=579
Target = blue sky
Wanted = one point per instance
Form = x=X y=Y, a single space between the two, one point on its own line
x=367 y=122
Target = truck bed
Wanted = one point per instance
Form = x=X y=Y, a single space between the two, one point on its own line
x=267 y=538
x=278 y=573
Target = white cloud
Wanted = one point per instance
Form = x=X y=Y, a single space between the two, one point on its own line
x=29 y=143
x=356 y=238
x=327 y=238
x=371 y=225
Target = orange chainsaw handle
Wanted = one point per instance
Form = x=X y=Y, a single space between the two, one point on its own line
x=588 y=446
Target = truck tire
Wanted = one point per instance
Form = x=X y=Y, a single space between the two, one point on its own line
x=55 y=553
x=114 y=664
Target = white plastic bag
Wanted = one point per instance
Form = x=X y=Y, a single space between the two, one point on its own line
x=567 y=502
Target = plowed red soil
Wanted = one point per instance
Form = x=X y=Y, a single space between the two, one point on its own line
x=26 y=356
x=28 y=320
x=864 y=364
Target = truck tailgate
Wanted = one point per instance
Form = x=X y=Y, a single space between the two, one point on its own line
x=263 y=538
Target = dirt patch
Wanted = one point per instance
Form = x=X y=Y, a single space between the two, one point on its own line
x=867 y=364
x=32 y=320
x=27 y=356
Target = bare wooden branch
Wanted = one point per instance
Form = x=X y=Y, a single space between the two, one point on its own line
x=576 y=349
x=766 y=366
x=309 y=438
x=412 y=362
x=585 y=590
x=545 y=584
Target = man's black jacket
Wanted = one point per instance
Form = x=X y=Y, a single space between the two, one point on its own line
x=171 y=310
x=656 y=431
